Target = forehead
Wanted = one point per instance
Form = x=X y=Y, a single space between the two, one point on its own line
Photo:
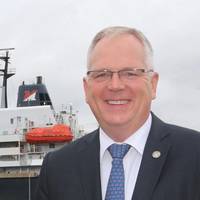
x=118 y=50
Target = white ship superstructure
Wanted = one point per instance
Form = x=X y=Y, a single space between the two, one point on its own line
x=32 y=129
x=18 y=157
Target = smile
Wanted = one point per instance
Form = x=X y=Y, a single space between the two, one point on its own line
x=117 y=102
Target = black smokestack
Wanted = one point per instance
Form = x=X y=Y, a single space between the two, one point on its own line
x=39 y=79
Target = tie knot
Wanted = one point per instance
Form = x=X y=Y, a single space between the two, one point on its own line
x=118 y=150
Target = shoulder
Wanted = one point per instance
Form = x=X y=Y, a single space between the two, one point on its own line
x=183 y=133
x=184 y=140
x=178 y=135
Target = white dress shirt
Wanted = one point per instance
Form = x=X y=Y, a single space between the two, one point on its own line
x=131 y=161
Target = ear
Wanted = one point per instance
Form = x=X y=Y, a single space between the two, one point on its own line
x=154 y=83
x=85 y=85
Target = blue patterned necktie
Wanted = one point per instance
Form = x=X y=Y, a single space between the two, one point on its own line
x=115 y=188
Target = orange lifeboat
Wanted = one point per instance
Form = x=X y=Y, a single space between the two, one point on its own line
x=56 y=133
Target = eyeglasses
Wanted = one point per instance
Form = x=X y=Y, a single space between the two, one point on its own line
x=124 y=74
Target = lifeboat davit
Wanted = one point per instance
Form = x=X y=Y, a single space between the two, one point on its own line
x=56 y=133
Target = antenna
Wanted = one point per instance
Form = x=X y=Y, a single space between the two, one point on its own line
x=6 y=75
x=7 y=49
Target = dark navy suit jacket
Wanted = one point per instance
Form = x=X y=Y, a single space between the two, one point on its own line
x=73 y=172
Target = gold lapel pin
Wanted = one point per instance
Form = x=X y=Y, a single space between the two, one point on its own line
x=156 y=154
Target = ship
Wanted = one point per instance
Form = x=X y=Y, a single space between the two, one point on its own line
x=28 y=132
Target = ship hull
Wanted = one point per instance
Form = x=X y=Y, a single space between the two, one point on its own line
x=18 y=188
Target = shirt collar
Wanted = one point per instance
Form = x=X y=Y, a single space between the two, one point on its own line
x=137 y=140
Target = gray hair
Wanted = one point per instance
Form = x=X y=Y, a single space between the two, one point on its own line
x=120 y=30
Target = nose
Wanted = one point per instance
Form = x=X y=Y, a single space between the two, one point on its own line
x=115 y=83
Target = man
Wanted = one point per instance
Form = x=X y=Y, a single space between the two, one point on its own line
x=161 y=162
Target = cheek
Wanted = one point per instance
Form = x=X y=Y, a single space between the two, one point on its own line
x=90 y=91
x=149 y=93
x=148 y=88
x=92 y=94
x=142 y=91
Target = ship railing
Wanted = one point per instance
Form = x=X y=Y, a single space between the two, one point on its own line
x=23 y=159
x=31 y=154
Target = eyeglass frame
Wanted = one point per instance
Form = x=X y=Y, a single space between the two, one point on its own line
x=140 y=71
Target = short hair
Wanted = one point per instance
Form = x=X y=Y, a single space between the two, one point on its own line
x=121 y=30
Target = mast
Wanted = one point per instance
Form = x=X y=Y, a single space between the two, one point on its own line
x=6 y=74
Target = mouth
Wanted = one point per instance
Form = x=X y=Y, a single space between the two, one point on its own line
x=117 y=102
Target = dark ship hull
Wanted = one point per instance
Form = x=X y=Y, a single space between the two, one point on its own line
x=18 y=188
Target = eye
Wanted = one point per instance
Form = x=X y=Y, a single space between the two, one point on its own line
x=100 y=75
x=129 y=74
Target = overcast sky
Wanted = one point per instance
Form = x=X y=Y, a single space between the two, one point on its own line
x=51 y=39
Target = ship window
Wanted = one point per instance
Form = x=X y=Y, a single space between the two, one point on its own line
x=52 y=145
x=12 y=121
x=38 y=148
x=8 y=144
x=19 y=119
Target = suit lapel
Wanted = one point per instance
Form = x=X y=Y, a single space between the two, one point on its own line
x=90 y=167
x=152 y=163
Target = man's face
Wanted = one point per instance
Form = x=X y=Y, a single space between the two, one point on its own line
x=117 y=103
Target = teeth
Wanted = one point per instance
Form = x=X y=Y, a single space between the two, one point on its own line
x=118 y=102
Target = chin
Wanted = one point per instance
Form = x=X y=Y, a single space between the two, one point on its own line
x=116 y=121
